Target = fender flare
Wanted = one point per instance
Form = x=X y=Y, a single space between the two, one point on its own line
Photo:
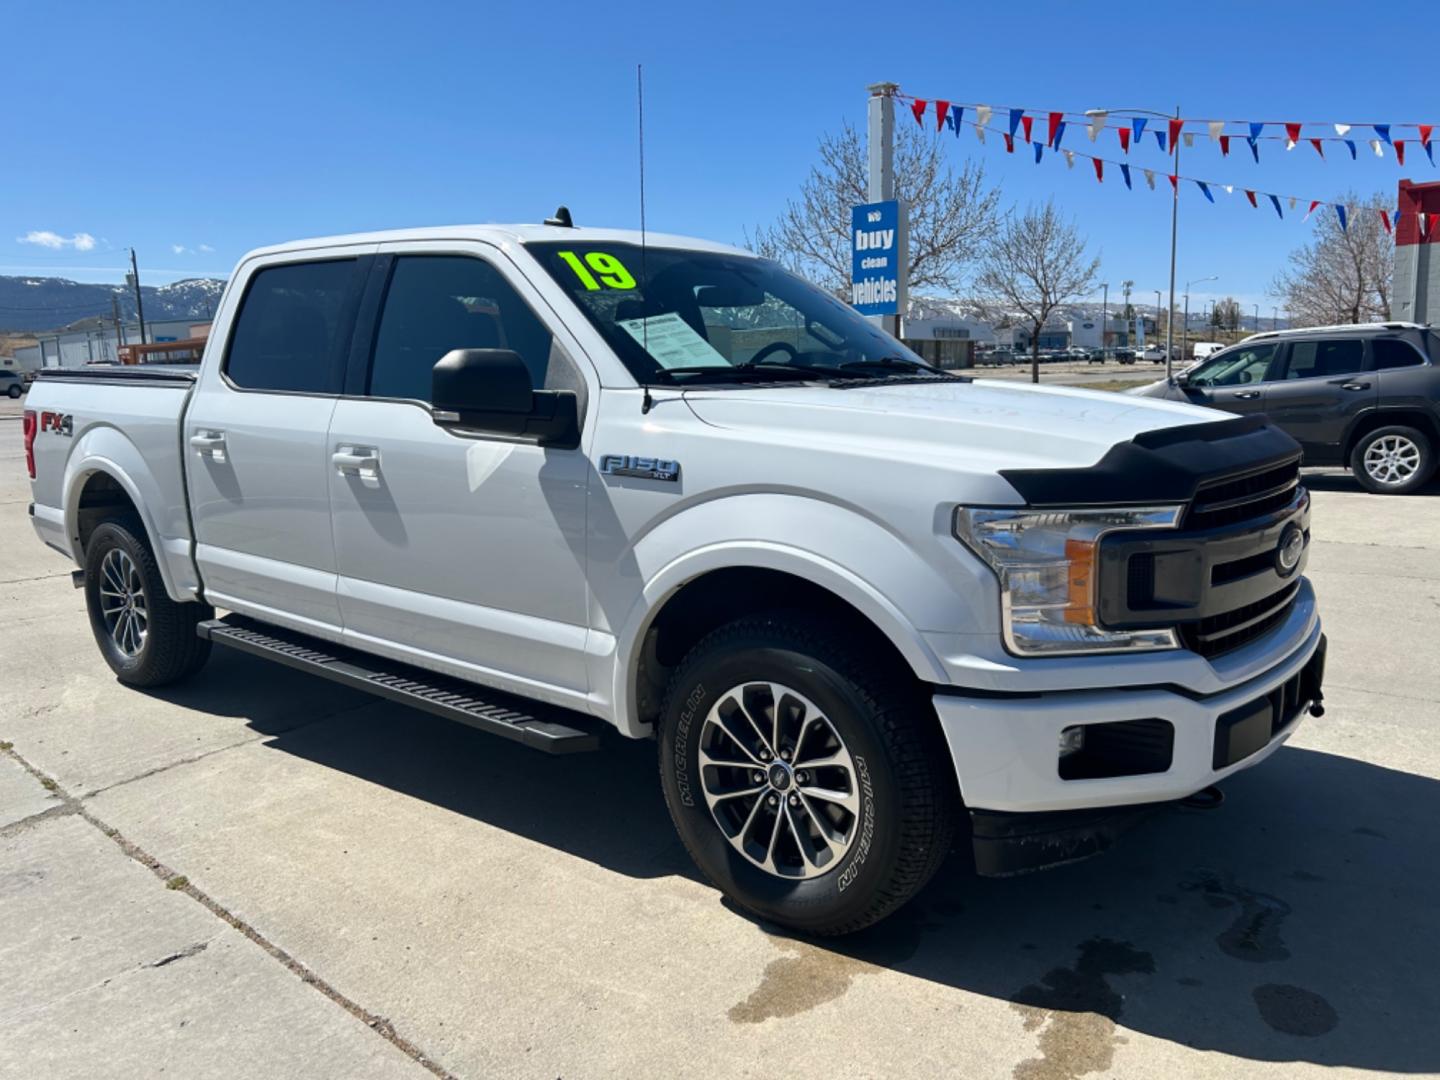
x=764 y=555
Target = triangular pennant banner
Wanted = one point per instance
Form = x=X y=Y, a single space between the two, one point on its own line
x=982 y=115
x=1313 y=204
x=1216 y=127
x=1340 y=213
x=1224 y=145
x=1160 y=140
x=1189 y=138
x=1027 y=122
x=1319 y=147
x=1255 y=130
x=1375 y=145
x=1137 y=126
x=1383 y=130
x=1124 y=134
x=1055 y=120
x=1293 y=202
x=1229 y=188
x=957 y=112
x=980 y=132
x=1254 y=147
x=1251 y=196
x=1174 y=183
x=1059 y=134
x=942 y=109
x=1009 y=143
x=1150 y=178
x=1275 y=202
x=918 y=108
x=1175 y=126
x=1097 y=121
x=1039 y=149
x=1400 y=151
x=1204 y=189
x=1395 y=217
x=1430 y=152
x=1125 y=172
x=1015 y=115
x=1341 y=129
x=1069 y=158
x=1351 y=144
x=1425 y=130
x=1384 y=218
x=1292 y=132
x=1099 y=169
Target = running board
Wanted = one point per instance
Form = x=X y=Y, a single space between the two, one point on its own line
x=543 y=727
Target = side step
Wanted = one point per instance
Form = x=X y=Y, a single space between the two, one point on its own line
x=543 y=727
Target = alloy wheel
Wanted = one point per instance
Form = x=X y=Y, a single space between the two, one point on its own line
x=1392 y=460
x=122 y=602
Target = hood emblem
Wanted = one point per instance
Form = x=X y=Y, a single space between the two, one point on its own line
x=1289 y=550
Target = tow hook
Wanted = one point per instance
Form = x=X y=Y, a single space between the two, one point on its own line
x=1316 y=708
x=1208 y=798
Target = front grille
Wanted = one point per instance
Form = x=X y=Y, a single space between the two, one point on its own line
x=1229 y=630
x=1243 y=498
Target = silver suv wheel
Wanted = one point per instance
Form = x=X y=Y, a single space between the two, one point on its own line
x=779 y=780
x=1392 y=460
x=122 y=602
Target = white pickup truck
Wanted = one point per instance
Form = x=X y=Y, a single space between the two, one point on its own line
x=547 y=480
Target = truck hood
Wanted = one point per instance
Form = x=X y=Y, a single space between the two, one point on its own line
x=987 y=423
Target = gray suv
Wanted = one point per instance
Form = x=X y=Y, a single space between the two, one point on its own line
x=1366 y=396
x=11 y=383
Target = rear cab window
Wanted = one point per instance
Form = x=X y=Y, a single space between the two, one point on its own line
x=293 y=328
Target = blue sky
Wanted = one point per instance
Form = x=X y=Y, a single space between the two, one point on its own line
x=197 y=131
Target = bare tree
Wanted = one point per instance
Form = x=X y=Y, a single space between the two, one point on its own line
x=1342 y=275
x=1226 y=315
x=949 y=212
x=1034 y=263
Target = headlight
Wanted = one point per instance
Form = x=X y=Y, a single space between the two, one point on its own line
x=1046 y=561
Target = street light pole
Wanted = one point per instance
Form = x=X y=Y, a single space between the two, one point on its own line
x=1213 y=277
x=1104 y=317
x=1157 y=311
x=1257 y=318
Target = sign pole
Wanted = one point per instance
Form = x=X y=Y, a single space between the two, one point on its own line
x=880 y=144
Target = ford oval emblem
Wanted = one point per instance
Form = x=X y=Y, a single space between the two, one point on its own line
x=1289 y=550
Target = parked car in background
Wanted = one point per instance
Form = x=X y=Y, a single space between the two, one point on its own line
x=1125 y=356
x=1202 y=349
x=1153 y=353
x=12 y=383
x=1366 y=397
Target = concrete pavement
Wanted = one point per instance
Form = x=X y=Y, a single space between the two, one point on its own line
x=256 y=874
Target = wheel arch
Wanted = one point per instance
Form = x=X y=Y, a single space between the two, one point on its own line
x=1364 y=424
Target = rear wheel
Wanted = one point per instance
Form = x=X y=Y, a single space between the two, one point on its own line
x=807 y=781
x=1393 y=460
x=14 y=390
x=146 y=638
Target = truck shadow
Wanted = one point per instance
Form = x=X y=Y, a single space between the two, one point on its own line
x=1295 y=923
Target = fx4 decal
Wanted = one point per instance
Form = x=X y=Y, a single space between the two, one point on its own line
x=642 y=467
x=59 y=423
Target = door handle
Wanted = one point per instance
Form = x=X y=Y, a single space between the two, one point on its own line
x=209 y=444
x=361 y=461
x=1247 y=395
x=1355 y=386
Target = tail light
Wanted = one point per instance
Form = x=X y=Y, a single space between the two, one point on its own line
x=31 y=426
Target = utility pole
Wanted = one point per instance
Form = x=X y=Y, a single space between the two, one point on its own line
x=1257 y=318
x=115 y=318
x=1157 y=312
x=1104 y=318
x=880 y=150
x=1174 y=226
x=1275 y=318
x=139 y=304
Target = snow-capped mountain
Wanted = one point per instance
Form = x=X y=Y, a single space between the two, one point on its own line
x=48 y=303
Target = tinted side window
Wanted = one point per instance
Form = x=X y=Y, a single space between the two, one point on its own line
x=1393 y=353
x=436 y=303
x=1317 y=359
x=292 y=327
x=1236 y=367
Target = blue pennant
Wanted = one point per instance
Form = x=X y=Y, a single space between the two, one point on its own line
x=1255 y=130
x=1039 y=149
x=1125 y=172
x=1015 y=115
x=1383 y=130
x=1351 y=143
x=1275 y=202
x=1160 y=140
x=1204 y=189
x=1060 y=134
x=1397 y=219
x=1430 y=152
x=1138 y=126
x=956 y=113
x=1340 y=213
x=1254 y=147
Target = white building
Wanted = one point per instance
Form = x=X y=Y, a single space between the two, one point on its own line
x=946 y=341
x=95 y=341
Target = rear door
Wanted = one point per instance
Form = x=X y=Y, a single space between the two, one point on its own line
x=254 y=439
x=1235 y=380
x=461 y=553
x=1323 y=386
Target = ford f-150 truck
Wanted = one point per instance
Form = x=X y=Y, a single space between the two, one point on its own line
x=546 y=479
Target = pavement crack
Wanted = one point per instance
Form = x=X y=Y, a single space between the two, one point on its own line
x=183 y=954
x=178 y=883
x=27 y=823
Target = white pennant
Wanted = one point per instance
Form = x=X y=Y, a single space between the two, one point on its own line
x=1189 y=138
x=1341 y=129
x=982 y=116
x=980 y=132
x=1292 y=202
x=1289 y=144
x=1069 y=158
x=1375 y=145
x=1217 y=127
x=1150 y=179
x=1229 y=189
x=1097 y=123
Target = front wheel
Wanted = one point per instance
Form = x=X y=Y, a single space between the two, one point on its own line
x=146 y=638
x=15 y=391
x=1393 y=460
x=807 y=781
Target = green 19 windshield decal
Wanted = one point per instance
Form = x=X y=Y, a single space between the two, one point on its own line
x=609 y=271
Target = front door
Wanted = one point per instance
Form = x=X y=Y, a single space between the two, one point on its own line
x=1324 y=387
x=1233 y=380
x=254 y=442
x=464 y=554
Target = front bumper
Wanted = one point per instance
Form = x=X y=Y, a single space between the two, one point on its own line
x=1006 y=754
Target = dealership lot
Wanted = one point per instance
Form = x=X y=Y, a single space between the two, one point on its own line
x=257 y=874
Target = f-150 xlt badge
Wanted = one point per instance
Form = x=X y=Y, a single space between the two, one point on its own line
x=642 y=467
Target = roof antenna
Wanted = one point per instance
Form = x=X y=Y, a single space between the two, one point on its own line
x=561 y=218
x=646 y=402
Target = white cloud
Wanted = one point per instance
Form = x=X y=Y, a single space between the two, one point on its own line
x=205 y=248
x=81 y=241
x=178 y=249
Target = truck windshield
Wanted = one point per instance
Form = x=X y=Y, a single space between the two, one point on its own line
x=684 y=317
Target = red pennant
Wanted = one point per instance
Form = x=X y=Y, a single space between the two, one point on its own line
x=1425 y=130
x=918 y=108
x=1400 y=151
x=1099 y=169
x=1124 y=138
x=1224 y=145
x=1319 y=147
x=1313 y=204
x=1175 y=182
x=1027 y=122
x=1251 y=196
x=1384 y=218
x=1055 y=120
x=1292 y=132
x=1009 y=143
x=941 y=109
x=1175 y=126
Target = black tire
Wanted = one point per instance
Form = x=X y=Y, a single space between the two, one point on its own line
x=171 y=649
x=1399 y=435
x=15 y=391
x=904 y=778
